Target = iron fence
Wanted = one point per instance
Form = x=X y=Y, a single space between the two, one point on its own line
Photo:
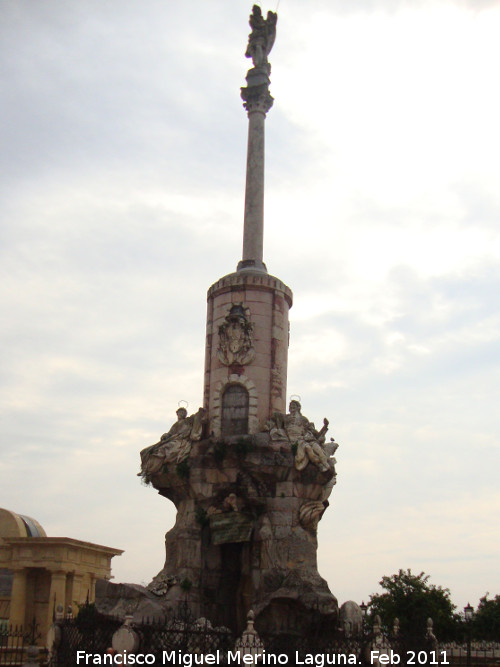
x=12 y=645
x=181 y=639
x=481 y=653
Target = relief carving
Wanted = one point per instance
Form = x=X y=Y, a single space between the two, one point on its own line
x=236 y=338
x=277 y=381
x=161 y=584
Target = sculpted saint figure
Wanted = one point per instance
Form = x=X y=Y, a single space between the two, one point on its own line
x=299 y=431
x=261 y=39
x=174 y=445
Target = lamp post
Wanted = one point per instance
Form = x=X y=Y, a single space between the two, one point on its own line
x=469 y=615
x=364 y=610
x=364 y=638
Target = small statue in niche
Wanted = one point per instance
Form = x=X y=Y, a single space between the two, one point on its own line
x=261 y=39
x=175 y=445
x=235 y=338
x=299 y=431
x=230 y=503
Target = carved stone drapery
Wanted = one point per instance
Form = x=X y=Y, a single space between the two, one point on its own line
x=300 y=433
x=310 y=514
x=175 y=445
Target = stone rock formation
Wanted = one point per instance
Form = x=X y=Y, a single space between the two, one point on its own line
x=245 y=536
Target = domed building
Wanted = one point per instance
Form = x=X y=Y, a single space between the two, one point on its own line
x=37 y=572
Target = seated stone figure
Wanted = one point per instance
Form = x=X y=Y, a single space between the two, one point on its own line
x=299 y=431
x=175 y=445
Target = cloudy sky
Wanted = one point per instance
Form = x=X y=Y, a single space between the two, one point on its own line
x=123 y=167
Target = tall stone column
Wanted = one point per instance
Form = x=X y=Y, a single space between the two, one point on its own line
x=257 y=102
x=18 y=599
x=250 y=492
x=247 y=315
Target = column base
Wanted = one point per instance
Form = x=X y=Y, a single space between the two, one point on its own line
x=251 y=265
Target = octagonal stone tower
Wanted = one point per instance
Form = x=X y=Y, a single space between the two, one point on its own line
x=246 y=352
x=250 y=481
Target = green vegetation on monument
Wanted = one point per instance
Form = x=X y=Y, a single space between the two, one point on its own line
x=411 y=599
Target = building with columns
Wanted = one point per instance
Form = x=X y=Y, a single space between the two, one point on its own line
x=38 y=572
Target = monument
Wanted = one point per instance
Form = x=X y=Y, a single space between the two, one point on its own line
x=249 y=476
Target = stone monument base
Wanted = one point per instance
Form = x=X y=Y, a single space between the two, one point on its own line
x=245 y=536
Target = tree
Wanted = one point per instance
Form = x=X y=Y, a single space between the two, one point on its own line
x=412 y=600
x=486 y=624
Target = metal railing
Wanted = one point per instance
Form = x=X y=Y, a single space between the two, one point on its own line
x=15 y=642
x=12 y=645
x=180 y=634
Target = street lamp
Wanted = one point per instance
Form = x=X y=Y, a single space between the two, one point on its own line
x=469 y=614
x=364 y=609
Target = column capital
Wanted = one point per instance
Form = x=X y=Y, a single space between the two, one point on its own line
x=15 y=568
x=57 y=572
x=257 y=100
x=256 y=96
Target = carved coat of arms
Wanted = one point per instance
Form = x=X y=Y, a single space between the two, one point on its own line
x=235 y=338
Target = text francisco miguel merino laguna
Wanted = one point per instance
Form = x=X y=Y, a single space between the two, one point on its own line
x=236 y=657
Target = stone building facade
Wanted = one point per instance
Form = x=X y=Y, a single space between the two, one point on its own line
x=40 y=572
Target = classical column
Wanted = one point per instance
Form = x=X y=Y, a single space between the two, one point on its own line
x=92 y=580
x=257 y=101
x=57 y=593
x=78 y=594
x=18 y=599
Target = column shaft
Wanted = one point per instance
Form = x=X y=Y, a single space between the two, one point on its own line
x=57 y=594
x=78 y=595
x=253 y=233
x=18 y=599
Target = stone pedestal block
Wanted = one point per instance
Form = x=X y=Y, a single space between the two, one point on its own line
x=245 y=540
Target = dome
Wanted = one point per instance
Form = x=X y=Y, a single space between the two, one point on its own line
x=19 y=525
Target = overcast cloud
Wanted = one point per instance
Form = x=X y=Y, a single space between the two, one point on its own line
x=123 y=166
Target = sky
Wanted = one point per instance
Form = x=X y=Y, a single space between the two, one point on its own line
x=121 y=202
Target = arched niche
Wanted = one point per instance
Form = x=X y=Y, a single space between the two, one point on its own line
x=220 y=389
x=234 y=410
